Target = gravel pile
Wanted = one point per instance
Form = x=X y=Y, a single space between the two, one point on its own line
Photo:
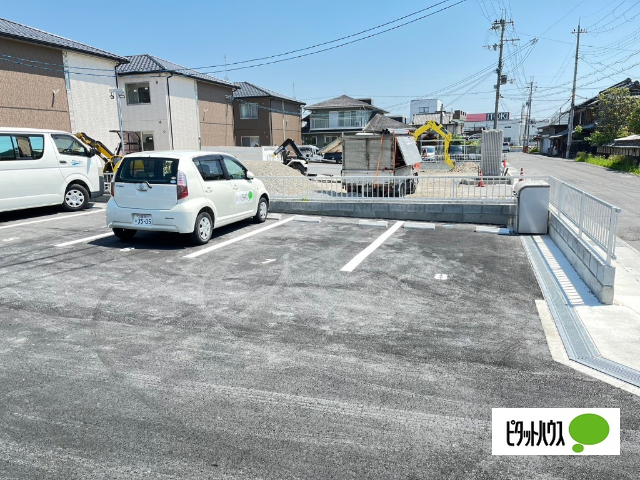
x=270 y=169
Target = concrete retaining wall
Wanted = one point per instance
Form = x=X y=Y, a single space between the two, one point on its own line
x=491 y=214
x=598 y=276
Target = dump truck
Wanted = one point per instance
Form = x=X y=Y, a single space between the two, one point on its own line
x=369 y=161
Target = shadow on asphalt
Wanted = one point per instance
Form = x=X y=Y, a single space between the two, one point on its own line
x=168 y=240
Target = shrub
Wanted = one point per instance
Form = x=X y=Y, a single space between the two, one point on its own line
x=581 y=157
x=534 y=150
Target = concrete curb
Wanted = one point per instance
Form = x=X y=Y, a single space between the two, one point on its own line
x=373 y=223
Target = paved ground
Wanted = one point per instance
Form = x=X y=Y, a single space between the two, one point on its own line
x=261 y=359
x=620 y=189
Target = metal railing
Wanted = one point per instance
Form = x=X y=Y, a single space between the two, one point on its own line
x=593 y=218
x=392 y=188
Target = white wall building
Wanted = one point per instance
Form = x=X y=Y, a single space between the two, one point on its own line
x=163 y=107
x=512 y=128
x=421 y=106
x=91 y=108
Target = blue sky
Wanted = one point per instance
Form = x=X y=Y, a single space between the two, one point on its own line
x=424 y=57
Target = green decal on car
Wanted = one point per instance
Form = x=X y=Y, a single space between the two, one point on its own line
x=250 y=195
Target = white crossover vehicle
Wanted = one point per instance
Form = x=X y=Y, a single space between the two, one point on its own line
x=47 y=167
x=184 y=192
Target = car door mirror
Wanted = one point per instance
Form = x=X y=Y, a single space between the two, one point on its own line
x=250 y=175
x=91 y=152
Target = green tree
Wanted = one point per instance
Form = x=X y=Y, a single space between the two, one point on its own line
x=614 y=112
x=634 y=121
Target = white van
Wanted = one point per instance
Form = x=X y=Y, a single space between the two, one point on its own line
x=47 y=167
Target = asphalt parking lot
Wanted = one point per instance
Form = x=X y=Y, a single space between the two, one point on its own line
x=257 y=356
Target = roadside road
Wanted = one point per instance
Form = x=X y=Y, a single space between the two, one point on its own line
x=620 y=189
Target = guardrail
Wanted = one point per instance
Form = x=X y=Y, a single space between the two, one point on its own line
x=391 y=188
x=594 y=218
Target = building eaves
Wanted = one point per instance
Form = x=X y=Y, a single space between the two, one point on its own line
x=18 y=31
x=146 y=63
x=343 y=101
x=250 y=90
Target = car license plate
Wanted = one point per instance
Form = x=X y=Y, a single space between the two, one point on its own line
x=145 y=220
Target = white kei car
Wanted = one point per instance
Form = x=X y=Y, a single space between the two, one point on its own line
x=186 y=192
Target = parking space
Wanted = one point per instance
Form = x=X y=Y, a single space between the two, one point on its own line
x=262 y=355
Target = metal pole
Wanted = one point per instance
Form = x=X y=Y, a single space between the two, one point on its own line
x=503 y=24
x=528 y=119
x=117 y=92
x=573 y=91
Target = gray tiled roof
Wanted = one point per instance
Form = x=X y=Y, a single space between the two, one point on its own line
x=250 y=90
x=151 y=64
x=380 y=122
x=17 y=31
x=343 y=102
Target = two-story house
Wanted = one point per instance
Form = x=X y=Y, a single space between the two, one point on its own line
x=331 y=119
x=264 y=117
x=51 y=82
x=171 y=107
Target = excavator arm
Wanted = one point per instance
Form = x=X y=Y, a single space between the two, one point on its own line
x=440 y=130
x=289 y=143
x=111 y=159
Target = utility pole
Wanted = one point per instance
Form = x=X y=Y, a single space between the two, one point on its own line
x=526 y=126
x=573 y=92
x=502 y=25
x=118 y=93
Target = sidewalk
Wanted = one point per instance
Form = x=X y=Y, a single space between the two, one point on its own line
x=614 y=329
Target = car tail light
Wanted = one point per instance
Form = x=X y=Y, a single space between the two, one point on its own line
x=112 y=188
x=183 y=190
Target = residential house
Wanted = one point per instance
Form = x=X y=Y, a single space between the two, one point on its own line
x=55 y=83
x=552 y=138
x=264 y=117
x=628 y=146
x=171 y=107
x=339 y=116
x=585 y=115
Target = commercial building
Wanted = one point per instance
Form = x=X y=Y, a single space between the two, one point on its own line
x=512 y=128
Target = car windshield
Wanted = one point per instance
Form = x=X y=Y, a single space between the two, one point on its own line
x=148 y=169
x=431 y=149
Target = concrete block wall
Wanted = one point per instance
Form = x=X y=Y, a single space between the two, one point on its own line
x=595 y=273
x=491 y=214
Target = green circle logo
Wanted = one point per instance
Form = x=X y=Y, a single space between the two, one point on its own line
x=588 y=429
x=250 y=195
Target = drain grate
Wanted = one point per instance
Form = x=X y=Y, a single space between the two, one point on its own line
x=574 y=335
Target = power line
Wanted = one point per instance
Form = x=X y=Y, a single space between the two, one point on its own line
x=345 y=43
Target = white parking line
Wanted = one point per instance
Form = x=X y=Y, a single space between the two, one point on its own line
x=84 y=240
x=350 y=267
x=54 y=218
x=237 y=239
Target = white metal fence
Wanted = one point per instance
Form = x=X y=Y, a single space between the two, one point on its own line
x=391 y=188
x=594 y=218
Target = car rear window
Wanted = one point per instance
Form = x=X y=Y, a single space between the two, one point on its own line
x=148 y=169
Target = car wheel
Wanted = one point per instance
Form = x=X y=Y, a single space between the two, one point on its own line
x=203 y=229
x=75 y=198
x=300 y=168
x=263 y=210
x=124 y=233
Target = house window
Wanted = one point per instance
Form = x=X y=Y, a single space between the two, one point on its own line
x=138 y=93
x=330 y=138
x=248 y=110
x=423 y=110
x=250 y=141
x=319 y=120
x=356 y=118
x=311 y=140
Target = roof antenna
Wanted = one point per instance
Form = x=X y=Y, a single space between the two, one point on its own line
x=294 y=89
x=226 y=77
